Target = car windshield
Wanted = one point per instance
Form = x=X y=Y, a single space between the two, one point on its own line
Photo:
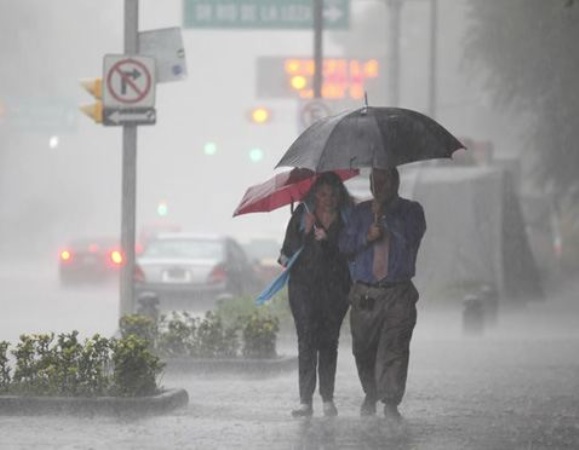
x=184 y=248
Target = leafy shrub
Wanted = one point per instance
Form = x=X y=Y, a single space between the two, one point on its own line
x=181 y=335
x=142 y=326
x=259 y=335
x=67 y=367
x=135 y=367
x=177 y=334
x=4 y=367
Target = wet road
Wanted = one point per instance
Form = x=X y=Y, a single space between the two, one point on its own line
x=515 y=387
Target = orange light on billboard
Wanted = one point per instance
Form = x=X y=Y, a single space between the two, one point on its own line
x=371 y=69
x=298 y=82
x=342 y=77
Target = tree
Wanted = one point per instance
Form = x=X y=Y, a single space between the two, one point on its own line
x=525 y=51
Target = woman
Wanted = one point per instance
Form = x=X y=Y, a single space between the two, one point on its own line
x=318 y=287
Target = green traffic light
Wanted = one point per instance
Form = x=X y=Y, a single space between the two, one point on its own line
x=256 y=154
x=210 y=148
x=162 y=209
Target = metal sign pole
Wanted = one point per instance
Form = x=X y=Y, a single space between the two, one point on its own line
x=129 y=174
x=433 y=58
x=318 y=7
x=394 y=53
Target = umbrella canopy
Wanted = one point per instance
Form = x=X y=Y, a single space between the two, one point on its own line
x=282 y=189
x=377 y=137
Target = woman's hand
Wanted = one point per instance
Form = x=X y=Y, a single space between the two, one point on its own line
x=320 y=234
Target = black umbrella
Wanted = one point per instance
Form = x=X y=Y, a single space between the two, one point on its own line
x=378 y=137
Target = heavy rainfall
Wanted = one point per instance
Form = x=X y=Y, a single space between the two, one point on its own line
x=493 y=360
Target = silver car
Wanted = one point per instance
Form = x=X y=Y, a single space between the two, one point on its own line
x=192 y=271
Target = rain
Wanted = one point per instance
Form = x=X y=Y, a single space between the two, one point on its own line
x=493 y=357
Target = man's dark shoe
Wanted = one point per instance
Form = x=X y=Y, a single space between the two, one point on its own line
x=368 y=407
x=391 y=413
x=304 y=410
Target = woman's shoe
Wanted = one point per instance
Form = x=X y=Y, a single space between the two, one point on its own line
x=330 y=409
x=368 y=407
x=304 y=410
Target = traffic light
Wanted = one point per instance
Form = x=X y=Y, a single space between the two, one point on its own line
x=210 y=148
x=162 y=208
x=54 y=142
x=256 y=154
x=95 y=88
x=260 y=115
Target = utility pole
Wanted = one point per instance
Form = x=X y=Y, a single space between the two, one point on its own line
x=129 y=175
x=318 y=7
x=395 y=7
x=433 y=58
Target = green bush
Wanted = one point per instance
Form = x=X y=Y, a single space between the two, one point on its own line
x=135 y=367
x=4 y=366
x=67 y=367
x=227 y=333
x=143 y=326
x=259 y=335
x=45 y=364
x=177 y=335
x=214 y=339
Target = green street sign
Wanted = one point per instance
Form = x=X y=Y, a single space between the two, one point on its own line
x=39 y=114
x=263 y=14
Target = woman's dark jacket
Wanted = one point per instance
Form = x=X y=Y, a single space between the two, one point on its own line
x=320 y=263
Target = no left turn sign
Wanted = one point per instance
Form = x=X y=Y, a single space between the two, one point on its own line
x=128 y=82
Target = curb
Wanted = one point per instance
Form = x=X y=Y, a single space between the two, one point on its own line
x=167 y=400
x=234 y=365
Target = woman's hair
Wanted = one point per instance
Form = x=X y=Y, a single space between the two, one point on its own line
x=334 y=181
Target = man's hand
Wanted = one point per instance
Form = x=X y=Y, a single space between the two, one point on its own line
x=375 y=232
x=377 y=209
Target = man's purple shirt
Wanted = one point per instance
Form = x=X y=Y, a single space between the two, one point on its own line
x=405 y=221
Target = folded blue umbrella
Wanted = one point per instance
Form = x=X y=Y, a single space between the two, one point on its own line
x=278 y=282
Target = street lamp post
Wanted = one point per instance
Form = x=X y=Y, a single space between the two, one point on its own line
x=433 y=58
x=395 y=7
x=394 y=51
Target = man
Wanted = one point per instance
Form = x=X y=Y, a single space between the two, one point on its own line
x=381 y=240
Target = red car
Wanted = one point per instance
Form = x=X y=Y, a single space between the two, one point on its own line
x=90 y=260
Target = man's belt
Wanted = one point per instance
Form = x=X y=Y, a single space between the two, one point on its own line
x=382 y=284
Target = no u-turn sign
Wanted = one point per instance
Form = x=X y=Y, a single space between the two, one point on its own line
x=128 y=82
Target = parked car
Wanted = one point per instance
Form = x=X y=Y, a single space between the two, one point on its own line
x=192 y=271
x=90 y=260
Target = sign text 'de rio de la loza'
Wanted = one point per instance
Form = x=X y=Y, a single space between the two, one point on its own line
x=264 y=14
